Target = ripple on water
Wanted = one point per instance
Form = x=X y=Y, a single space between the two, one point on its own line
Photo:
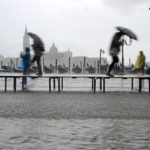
x=74 y=134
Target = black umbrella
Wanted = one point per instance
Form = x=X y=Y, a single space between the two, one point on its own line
x=127 y=32
x=37 y=40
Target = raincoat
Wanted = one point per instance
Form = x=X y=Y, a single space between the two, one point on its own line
x=115 y=44
x=140 y=62
x=25 y=60
x=25 y=64
x=21 y=66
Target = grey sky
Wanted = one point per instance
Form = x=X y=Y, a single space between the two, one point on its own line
x=83 y=26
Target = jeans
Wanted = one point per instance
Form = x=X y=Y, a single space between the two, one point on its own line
x=24 y=80
x=26 y=68
x=115 y=60
x=38 y=60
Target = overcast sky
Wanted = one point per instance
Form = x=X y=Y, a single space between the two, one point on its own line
x=83 y=26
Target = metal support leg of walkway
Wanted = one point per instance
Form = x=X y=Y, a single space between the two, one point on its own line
x=50 y=85
x=103 y=84
x=62 y=83
x=140 y=84
x=149 y=85
x=94 y=84
x=58 y=84
x=132 y=82
x=54 y=86
x=5 y=84
x=100 y=84
x=15 y=84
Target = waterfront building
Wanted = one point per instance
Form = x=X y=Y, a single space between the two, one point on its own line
x=63 y=58
x=53 y=54
x=26 y=40
x=1 y=58
x=89 y=60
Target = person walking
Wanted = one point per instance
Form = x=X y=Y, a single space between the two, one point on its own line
x=26 y=60
x=25 y=64
x=38 y=52
x=140 y=63
x=114 y=51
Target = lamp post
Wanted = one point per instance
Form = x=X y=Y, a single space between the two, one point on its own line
x=128 y=44
x=101 y=51
x=123 y=54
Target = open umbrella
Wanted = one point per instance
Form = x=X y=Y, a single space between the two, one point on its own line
x=127 y=32
x=37 y=40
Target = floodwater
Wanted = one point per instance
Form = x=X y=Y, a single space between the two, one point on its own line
x=88 y=134
x=27 y=132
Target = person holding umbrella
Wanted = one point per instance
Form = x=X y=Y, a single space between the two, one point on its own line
x=116 y=43
x=114 y=51
x=38 y=49
x=37 y=57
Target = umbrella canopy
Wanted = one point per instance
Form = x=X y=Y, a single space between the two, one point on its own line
x=37 y=40
x=127 y=32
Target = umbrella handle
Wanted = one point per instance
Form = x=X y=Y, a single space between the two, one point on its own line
x=131 y=40
x=128 y=43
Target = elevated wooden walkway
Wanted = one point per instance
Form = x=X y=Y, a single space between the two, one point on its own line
x=59 y=78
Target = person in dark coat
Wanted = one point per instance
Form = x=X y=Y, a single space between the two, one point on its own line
x=114 y=51
x=38 y=52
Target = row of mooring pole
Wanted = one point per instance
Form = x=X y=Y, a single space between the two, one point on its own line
x=82 y=64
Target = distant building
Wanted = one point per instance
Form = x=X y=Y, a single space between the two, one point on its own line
x=94 y=61
x=63 y=58
x=26 y=41
x=14 y=61
x=1 y=58
x=10 y=61
x=53 y=54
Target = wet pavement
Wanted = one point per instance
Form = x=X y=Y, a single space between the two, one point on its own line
x=75 y=105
